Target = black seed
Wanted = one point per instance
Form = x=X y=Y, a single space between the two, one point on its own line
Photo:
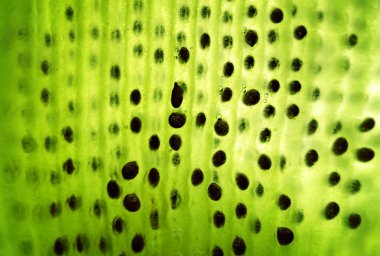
x=296 y=64
x=242 y=181
x=294 y=87
x=175 y=199
x=312 y=127
x=159 y=56
x=113 y=189
x=205 y=41
x=251 y=12
x=292 y=111
x=205 y=12
x=300 y=32
x=265 y=135
x=55 y=209
x=183 y=55
x=219 y=158
x=68 y=134
x=214 y=191
x=284 y=202
x=130 y=170
x=197 y=177
x=138 y=243
x=175 y=142
x=264 y=162
x=241 y=211
x=45 y=96
x=331 y=210
x=340 y=146
x=135 y=97
x=68 y=166
x=115 y=72
x=259 y=190
x=352 y=40
x=284 y=235
x=135 y=125
x=45 y=67
x=221 y=127
x=251 y=97
x=154 y=219
x=257 y=226
x=61 y=246
x=177 y=120
x=365 y=154
x=274 y=85
x=238 y=246
x=200 y=120
x=103 y=245
x=354 y=220
x=81 y=243
x=177 y=96
x=219 y=219
x=227 y=41
x=249 y=62
x=74 y=202
x=334 y=178
x=228 y=69
x=269 y=111
x=273 y=63
x=367 y=124
x=132 y=202
x=226 y=94
x=311 y=157
x=154 y=177
x=217 y=251
x=272 y=36
x=117 y=225
x=355 y=186
x=277 y=15
x=251 y=37
x=154 y=142
x=69 y=13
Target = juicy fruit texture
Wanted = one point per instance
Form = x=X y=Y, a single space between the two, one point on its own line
x=189 y=127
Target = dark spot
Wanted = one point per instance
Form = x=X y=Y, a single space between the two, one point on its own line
x=365 y=154
x=68 y=166
x=47 y=39
x=116 y=35
x=251 y=97
x=219 y=219
x=238 y=246
x=159 y=56
x=160 y=31
x=227 y=17
x=311 y=157
x=61 y=246
x=251 y=11
x=316 y=94
x=273 y=63
x=292 y=111
x=74 y=202
x=183 y=55
x=115 y=72
x=197 y=177
x=55 y=209
x=334 y=178
x=272 y=36
x=274 y=85
x=71 y=35
x=184 y=12
x=138 y=50
x=294 y=87
x=257 y=226
x=177 y=96
x=154 y=142
x=135 y=97
x=130 y=170
x=45 y=96
x=175 y=142
x=249 y=62
x=68 y=134
x=175 y=199
x=217 y=251
x=117 y=225
x=367 y=124
x=138 y=5
x=113 y=189
x=96 y=163
x=98 y=207
x=294 y=10
x=339 y=146
x=28 y=143
x=300 y=32
x=296 y=64
x=284 y=235
x=312 y=127
x=200 y=120
x=205 y=12
x=181 y=37
x=135 y=125
x=337 y=127
x=214 y=191
x=241 y=211
x=228 y=69
x=251 y=38
x=282 y=162
x=153 y=177
x=69 y=13
x=242 y=181
x=265 y=135
x=114 y=129
x=277 y=15
x=269 y=111
x=264 y=162
x=354 y=220
x=114 y=100
x=352 y=40
x=82 y=243
x=95 y=33
x=226 y=94
x=331 y=210
x=103 y=246
x=45 y=67
x=227 y=41
x=259 y=190
x=132 y=202
x=55 y=178
x=138 y=243
x=137 y=27
x=355 y=186
x=284 y=202
x=177 y=120
x=219 y=158
x=221 y=127
x=243 y=124
x=176 y=160
x=154 y=219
